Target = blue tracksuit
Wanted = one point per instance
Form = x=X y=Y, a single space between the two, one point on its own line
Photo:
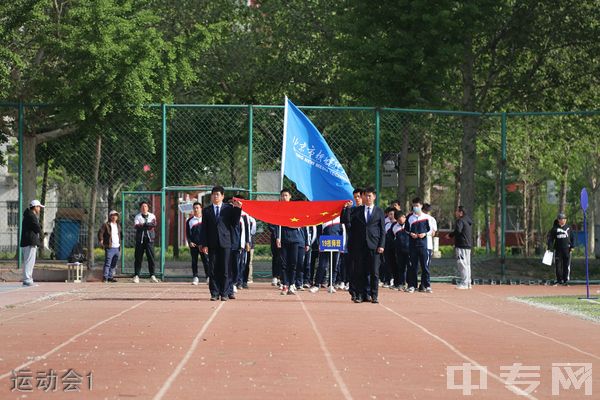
x=418 y=250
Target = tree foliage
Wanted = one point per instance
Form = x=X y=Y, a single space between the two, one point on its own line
x=96 y=62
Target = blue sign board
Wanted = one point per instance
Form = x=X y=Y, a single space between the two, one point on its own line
x=584 y=199
x=331 y=243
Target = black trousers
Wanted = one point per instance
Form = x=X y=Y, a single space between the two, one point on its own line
x=350 y=259
x=140 y=248
x=289 y=262
x=366 y=273
x=195 y=252
x=402 y=264
x=389 y=263
x=218 y=271
x=275 y=259
x=562 y=258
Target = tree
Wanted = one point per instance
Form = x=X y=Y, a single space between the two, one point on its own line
x=97 y=60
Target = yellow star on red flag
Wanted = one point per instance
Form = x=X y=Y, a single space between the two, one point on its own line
x=294 y=213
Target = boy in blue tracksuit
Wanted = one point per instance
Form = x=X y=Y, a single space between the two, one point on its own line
x=417 y=225
x=329 y=228
x=387 y=268
x=292 y=244
x=402 y=248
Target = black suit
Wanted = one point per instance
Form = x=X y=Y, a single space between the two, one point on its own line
x=216 y=235
x=364 y=239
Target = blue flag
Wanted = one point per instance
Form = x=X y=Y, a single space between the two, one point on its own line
x=309 y=162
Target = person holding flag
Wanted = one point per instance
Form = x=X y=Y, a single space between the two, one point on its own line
x=292 y=243
x=218 y=221
x=366 y=244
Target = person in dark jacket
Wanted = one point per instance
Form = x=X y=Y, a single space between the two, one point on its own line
x=145 y=225
x=417 y=224
x=110 y=238
x=401 y=246
x=562 y=240
x=292 y=244
x=219 y=219
x=193 y=229
x=30 y=239
x=463 y=241
x=366 y=244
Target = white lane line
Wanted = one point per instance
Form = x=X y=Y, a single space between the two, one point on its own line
x=509 y=386
x=52 y=305
x=334 y=370
x=49 y=296
x=525 y=330
x=167 y=385
x=73 y=338
x=21 y=287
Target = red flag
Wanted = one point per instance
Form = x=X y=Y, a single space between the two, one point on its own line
x=294 y=214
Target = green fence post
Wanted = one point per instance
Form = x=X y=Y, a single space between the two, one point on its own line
x=377 y=155
x=21 y=127
x=250 y=139
x=503 y=199
x=163 y=213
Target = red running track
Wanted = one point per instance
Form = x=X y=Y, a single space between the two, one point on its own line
x=168 y=341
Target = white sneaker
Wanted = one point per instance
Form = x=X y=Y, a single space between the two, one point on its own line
x=207 y=280
x=314 y=289
x=306 y=286
x=136 y=279
x=462 y=287
x=274 y=282
x=292 y=289
x=153 y=279
x=386 y=285
x=234 y=289
x=347 y=286
x=410 y=290
x=428 y=290
x=195 y=281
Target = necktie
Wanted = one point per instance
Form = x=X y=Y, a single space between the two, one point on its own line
x=368 y=214
x=217 y=212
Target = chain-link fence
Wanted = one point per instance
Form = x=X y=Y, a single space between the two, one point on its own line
x=82 y=171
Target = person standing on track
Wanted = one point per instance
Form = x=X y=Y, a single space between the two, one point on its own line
x=463 y=241
x=292 y=243
x=110 y=238
x=418 y=226
x=430 y=235
x=367 y=241
x=562 y=240
x=30 y=239
x=193 y=229
x=145 y=225
x=218 y=221
x=401 y=246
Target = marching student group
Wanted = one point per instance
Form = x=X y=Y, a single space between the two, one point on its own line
x=381 y=248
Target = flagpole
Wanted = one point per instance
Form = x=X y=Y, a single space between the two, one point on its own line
x=283 y=147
